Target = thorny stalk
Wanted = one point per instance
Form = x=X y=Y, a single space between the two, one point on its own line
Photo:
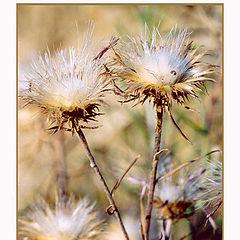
x=142 y=216
x=62 y=176
x=101 y=178
x=158 y=131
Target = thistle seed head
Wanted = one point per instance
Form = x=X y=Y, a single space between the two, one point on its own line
x=69 y=85
x=162 y=68
x=63 y=221
x=173 y=196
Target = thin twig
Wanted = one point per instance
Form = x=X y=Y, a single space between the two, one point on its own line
x=111 y=44
x=184 y=165
x=101 y=178
x=158 y=131
x=142 y=219
x=142 y=213
x=123 y=175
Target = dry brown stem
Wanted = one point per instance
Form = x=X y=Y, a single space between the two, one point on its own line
x=158 y=131
x=101 y=178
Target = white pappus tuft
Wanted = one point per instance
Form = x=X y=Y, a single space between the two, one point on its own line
x=164 y=68
x=69 y=85
x=175 y=194
x=63 y=221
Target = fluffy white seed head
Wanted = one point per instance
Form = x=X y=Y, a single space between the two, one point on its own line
x=184 y=188
x=70 y=84
x=161 y=67
x=162 y=63
x=175 y=194
x=67 y=80
x=70 y=221
x=170 y=193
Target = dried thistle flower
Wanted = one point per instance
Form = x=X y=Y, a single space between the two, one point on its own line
x=70 y=85
x=174 y=196
x=162 y=69
x=64 y=221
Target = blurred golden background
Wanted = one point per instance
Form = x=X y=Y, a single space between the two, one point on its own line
x=126 y=132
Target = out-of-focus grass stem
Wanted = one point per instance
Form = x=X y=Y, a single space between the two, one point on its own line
x=62 y=176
